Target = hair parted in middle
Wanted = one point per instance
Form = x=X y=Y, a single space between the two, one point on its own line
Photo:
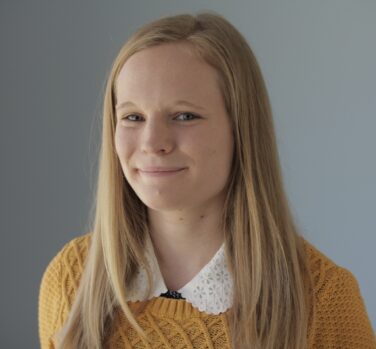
x=265 y=252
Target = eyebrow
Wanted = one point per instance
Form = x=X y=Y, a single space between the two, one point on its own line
x=179 y=102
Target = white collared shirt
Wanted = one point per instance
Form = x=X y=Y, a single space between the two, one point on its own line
x=210 y=290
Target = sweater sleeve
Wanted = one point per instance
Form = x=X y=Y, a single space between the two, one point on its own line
x=49 y=302
x=342 y=319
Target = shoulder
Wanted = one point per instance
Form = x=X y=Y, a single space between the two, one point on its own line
x=75 y=251
x=72 y=251
x=71 y=255
x=63 y=273
x=321 y=267
x=58 y=285
x=324 y=271
x=341 y=318
x=69 y=260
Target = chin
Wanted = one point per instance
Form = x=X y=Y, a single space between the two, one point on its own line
x=164 y=204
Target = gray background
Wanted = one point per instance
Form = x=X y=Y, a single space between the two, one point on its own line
x=318 y=59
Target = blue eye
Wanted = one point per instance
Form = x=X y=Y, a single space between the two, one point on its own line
x=136 y=118
x=192 y=116
x=129 y=117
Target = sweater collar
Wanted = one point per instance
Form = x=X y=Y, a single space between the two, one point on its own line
x=210 y=290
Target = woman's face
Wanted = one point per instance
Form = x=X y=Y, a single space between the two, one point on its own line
x=173 y=136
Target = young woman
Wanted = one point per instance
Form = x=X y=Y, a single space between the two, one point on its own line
x=193 y=244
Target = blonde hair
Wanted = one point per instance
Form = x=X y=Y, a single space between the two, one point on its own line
x=264 y=249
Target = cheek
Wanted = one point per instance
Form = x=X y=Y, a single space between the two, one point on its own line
x=219 y=160
x=217 y=150
x=122 y=144
x=124 y=150
x=213 y=161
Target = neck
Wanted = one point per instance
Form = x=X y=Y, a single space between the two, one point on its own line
x=185 y=241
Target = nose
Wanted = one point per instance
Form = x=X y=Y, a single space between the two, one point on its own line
x=156 y=136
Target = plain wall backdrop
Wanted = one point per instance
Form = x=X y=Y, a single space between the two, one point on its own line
x=318 y=60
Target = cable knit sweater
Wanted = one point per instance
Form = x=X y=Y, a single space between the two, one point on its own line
x=340 y=318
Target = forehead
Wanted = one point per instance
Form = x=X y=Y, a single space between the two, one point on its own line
x=172 y=69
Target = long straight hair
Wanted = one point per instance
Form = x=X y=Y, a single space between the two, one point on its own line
x=264 y=249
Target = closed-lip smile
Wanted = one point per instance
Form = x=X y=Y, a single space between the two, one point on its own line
x=160 y=171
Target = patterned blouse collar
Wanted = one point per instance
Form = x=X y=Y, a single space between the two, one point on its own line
x=211 y=290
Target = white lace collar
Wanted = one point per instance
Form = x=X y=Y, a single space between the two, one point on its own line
x=211 y=290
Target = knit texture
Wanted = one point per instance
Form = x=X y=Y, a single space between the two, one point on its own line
x=339 y=317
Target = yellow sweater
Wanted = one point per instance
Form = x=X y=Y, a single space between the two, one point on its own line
x=340 y=318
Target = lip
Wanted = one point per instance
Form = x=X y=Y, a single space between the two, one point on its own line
x=160 y=171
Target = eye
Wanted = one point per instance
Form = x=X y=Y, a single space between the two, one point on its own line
x=185 y=116
x=190 y=116
x=131 y=117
